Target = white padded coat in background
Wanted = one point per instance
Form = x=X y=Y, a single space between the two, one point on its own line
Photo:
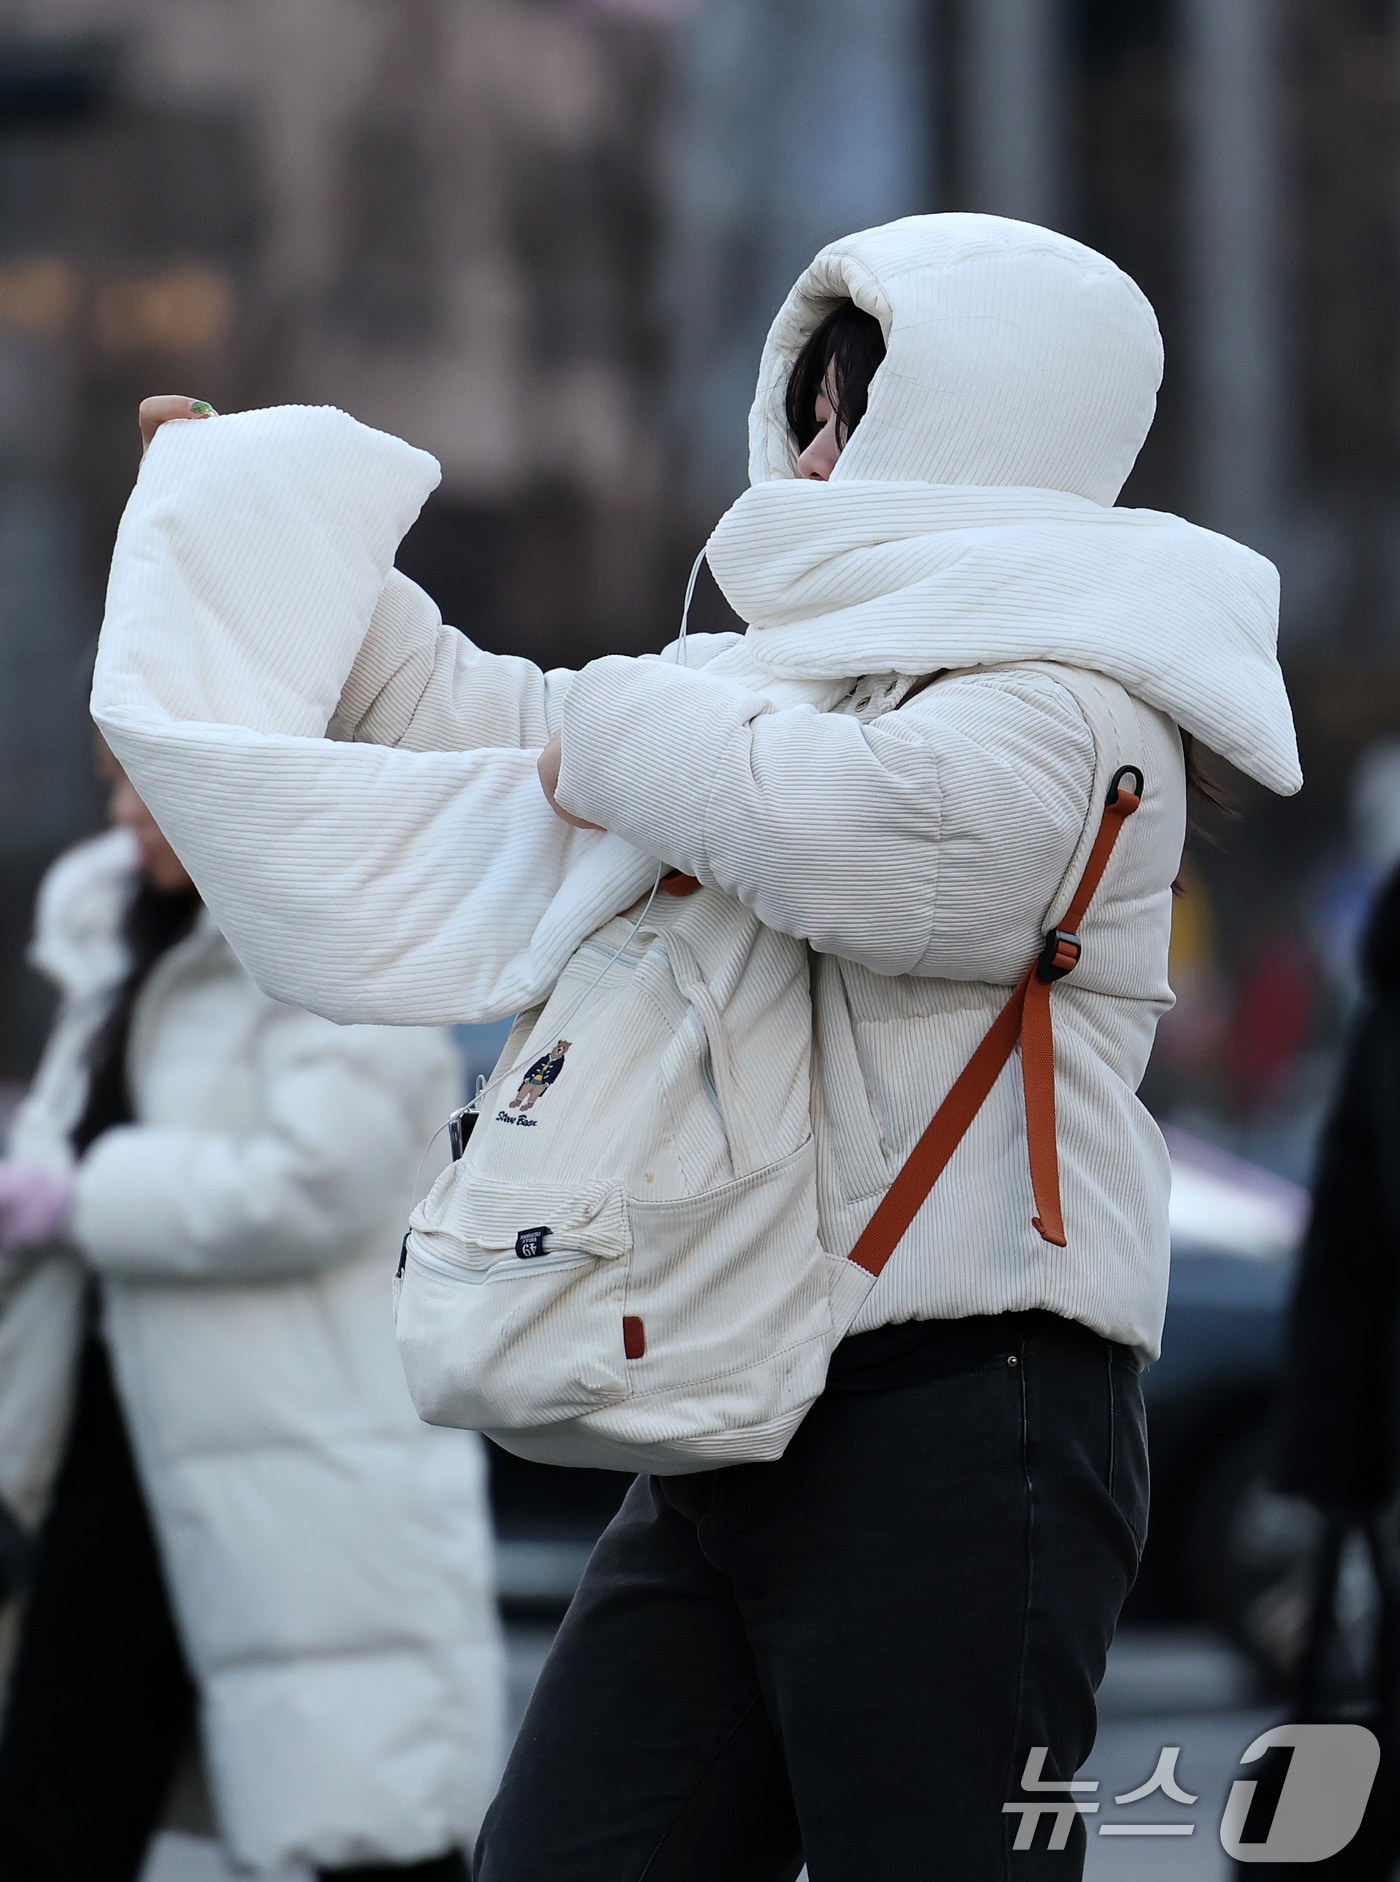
x=328 y=1556
x=965 y=533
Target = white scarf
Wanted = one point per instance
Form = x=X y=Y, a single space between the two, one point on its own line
x=852 y=577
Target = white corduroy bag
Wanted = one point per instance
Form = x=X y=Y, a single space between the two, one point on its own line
x=623 y=1269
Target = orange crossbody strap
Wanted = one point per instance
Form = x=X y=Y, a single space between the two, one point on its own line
x=1025 y=1017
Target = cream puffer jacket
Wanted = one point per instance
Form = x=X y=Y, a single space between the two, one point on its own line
x=919 y=839
x=328 y=1556
x=921 y=852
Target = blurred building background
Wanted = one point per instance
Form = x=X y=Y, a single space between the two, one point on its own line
x=543 y=239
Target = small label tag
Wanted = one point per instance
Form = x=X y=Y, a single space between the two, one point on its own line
x=530 y=1242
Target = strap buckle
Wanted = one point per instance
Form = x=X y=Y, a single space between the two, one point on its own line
x=1059 y=956
x=1126 y=771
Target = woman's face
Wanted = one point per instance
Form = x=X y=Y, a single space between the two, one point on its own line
x=160 y=865
x=819 y=459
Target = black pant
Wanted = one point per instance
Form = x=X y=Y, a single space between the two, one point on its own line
x=847 y=1656
x=101 y=1701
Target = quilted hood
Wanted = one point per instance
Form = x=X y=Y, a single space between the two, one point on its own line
x=970 y=520
x=1014 y=356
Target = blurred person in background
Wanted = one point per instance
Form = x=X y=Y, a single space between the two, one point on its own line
x=1342 y=893
x=1339 y=1443
x=199 y=1386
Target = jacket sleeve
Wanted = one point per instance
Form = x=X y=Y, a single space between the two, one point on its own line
x=335 y=1142
x=1336 y=1429
x=426 y=687
x=928 y=841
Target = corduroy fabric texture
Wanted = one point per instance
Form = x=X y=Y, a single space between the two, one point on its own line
x=309 y=853
x=1015 y=356
x=1186 y=620
x=967 y=519
x=922 y=854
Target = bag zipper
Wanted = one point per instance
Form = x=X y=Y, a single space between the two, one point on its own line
x=507 y=1266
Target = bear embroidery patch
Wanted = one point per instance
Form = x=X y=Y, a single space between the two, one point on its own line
x=540 y=1077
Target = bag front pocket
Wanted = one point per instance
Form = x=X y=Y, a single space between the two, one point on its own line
x=730 y=1291
x=510 y=1313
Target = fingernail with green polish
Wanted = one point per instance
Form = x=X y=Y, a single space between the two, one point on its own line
x=201 y=408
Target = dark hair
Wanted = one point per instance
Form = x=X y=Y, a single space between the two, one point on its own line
x=1200 y=783
x=1202 y=790
x=849 y=345
x=154 y=921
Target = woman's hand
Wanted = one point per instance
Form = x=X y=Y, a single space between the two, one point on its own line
x=166 y=405
x=550 y=760
x=35 y=1205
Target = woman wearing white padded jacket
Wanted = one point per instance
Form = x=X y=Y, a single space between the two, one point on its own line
x=203 y=1416
x=861 y=1654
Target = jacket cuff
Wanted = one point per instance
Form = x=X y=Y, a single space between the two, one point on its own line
x=643 y=745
